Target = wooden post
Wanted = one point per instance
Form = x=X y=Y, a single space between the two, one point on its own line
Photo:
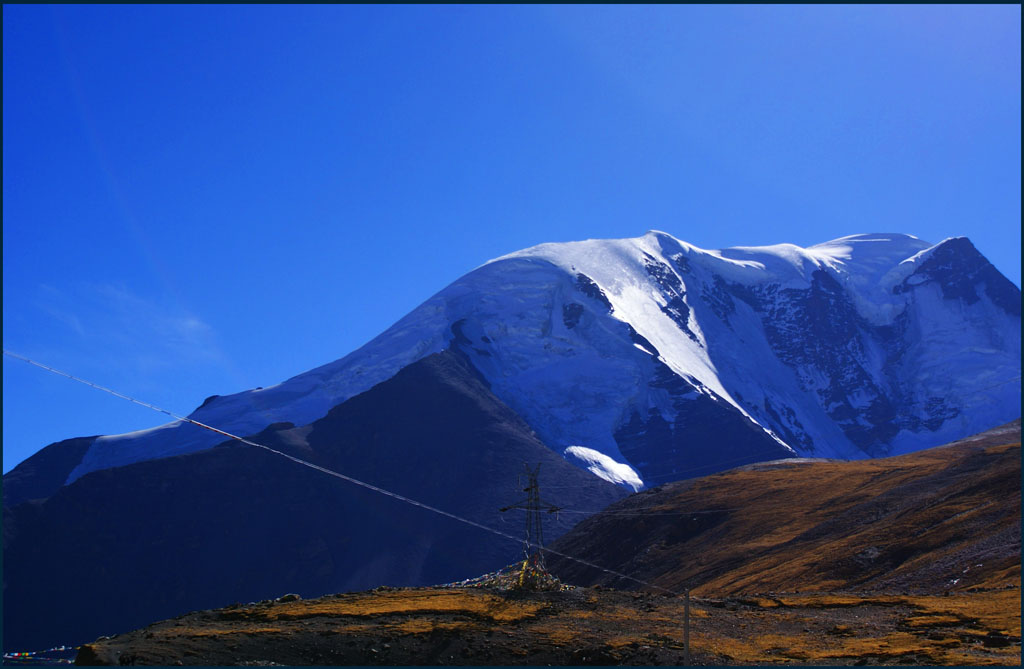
x=686 y=629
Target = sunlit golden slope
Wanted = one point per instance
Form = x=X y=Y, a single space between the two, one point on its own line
x=944 y=519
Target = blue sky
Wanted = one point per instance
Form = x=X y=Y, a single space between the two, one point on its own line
x=204 y=199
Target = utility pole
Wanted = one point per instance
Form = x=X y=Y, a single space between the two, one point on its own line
x=686 y=629
x=533 y=540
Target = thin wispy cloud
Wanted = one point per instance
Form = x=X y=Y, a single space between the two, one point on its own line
x=47 y=304
x=115 y=323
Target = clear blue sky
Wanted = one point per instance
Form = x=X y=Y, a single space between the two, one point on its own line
x=205 y=199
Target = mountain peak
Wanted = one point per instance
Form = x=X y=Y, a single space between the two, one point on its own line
x=602 y=343
x=959 y=269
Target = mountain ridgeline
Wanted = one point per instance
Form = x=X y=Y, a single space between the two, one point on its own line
x=618 y=365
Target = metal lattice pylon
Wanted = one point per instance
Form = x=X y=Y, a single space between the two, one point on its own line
x=533 y=540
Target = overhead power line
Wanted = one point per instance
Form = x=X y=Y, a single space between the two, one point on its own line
x=641 y=512
x=355 y=481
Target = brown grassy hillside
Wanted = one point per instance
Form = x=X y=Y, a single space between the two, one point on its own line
x=944 y=519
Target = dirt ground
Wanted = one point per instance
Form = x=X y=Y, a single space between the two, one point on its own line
x=461 y=626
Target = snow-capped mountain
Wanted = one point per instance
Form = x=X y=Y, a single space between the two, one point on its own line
x=650 y=359
x=639 y=361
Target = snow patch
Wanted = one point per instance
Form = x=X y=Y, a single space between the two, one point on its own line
x=604 y=467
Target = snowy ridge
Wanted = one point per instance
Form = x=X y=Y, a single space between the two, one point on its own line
x=628 y=355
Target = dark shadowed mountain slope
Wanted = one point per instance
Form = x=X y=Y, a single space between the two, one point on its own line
x=44 y=473
x=947 y=518
x=122 y=547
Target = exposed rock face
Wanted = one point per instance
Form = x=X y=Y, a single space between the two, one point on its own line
x=964 y=274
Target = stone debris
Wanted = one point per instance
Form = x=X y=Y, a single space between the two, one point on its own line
x=527 y=574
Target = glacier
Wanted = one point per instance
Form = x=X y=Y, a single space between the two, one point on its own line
x=648 y=359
